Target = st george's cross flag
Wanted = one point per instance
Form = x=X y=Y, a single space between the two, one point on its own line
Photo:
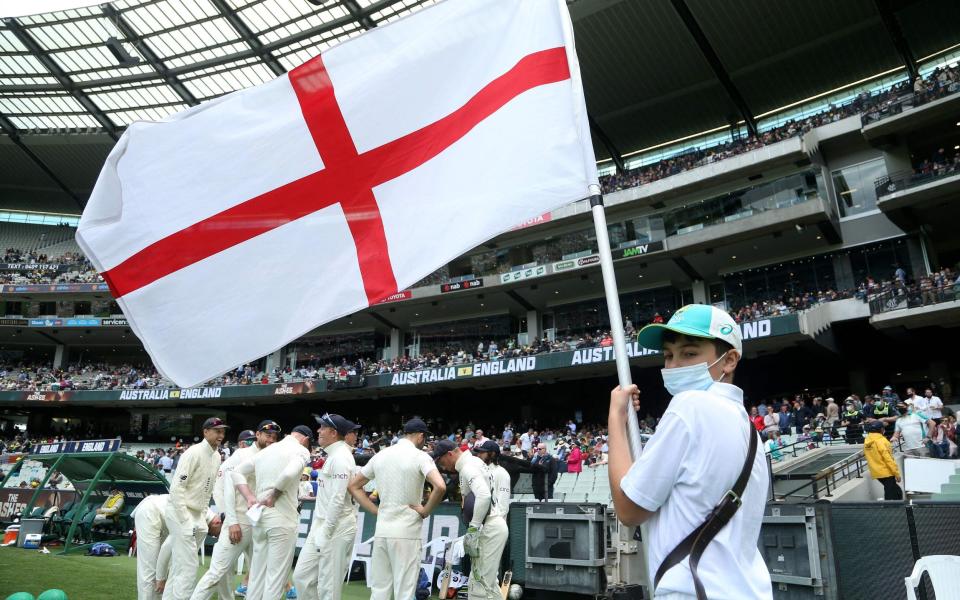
x=229 y=229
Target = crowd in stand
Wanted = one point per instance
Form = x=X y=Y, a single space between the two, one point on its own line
x=940 y=286
x=937 y=84
x=79 y=269
x=917 y=420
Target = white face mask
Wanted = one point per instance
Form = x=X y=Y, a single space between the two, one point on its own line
x=694 y=377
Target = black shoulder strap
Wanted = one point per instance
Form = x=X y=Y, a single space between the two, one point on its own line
x=694 y=544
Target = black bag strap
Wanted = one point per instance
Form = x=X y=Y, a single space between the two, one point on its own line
x=694 y=544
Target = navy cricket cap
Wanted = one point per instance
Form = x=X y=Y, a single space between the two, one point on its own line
x=215 y=423
x=246 y=434
x=874 y=426
x=416 y=425
x=338 y=422
x=441 y=448
x=487 y=446
x=304 y=431
x=268 y=425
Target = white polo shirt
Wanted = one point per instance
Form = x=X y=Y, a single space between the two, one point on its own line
x=685 y=469
x=399 y=471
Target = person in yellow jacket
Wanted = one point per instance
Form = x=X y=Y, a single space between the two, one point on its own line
x=879 y=454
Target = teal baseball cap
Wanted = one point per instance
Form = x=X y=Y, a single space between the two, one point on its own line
x=695 y=320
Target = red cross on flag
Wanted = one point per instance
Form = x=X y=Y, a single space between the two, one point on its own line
x=234 y=227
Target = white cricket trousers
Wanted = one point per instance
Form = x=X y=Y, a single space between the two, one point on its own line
x=273 y=549
x=148 y=551
x=483 y=583
x=395 y=568
x=219 y=576
x=184 y=559
x=322 y=566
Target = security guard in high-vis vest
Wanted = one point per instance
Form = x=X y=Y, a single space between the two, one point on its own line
x=885 y=412
x=851 y=419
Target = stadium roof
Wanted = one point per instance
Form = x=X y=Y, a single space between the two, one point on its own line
x=653 y=70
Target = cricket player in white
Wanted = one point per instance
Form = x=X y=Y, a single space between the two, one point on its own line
x=277 y=471
x=487 y=531
x=399 y=472
x=234 y=506
x=190 y=491
x=153 y=545
x=324 y=559
x=489 y=453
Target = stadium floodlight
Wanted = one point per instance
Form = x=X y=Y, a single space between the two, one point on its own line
x=124 y=58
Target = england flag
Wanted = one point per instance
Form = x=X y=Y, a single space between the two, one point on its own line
x=236 y=226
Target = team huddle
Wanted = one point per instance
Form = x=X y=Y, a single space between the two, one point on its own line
x=255 y=491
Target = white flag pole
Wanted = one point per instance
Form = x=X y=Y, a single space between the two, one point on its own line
x=616 y=319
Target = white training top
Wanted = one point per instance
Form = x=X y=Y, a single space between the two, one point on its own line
x=277 y=468
x=232 y=504
x=687 y=466
x=500 y=480
x=474 y=477
x=192 y=483
x=400 y=471
x=334 y=513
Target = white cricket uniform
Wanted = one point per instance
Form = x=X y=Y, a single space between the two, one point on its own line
x=324 y=559
x=687 y=466
x=225 y=553
x=190 y=491
x=151 y=533
x=477 y=478
x=399 y=472
x=277 y=469
x=500 y=481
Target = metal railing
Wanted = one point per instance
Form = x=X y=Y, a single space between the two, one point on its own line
x=825 y=482
x=912 y=296
x=906 y=101
x=904 y=180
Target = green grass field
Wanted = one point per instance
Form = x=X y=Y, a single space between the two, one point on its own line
x=86 y=577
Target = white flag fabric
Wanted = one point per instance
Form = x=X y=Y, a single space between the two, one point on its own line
x=234 y=227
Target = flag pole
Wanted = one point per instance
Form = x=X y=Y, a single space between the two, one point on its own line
x=616 y=319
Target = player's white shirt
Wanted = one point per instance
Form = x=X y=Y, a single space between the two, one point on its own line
x=500 y=483
x=277 y=468
x=399 y=471
x=686 y=467
x=192 y=484
x=234 y=505
x=474 y=477
x=334 y=512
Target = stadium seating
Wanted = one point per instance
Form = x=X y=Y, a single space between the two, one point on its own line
x=592 y=485
x=52 y=241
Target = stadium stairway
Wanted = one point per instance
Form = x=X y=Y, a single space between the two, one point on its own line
x=950 y=491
